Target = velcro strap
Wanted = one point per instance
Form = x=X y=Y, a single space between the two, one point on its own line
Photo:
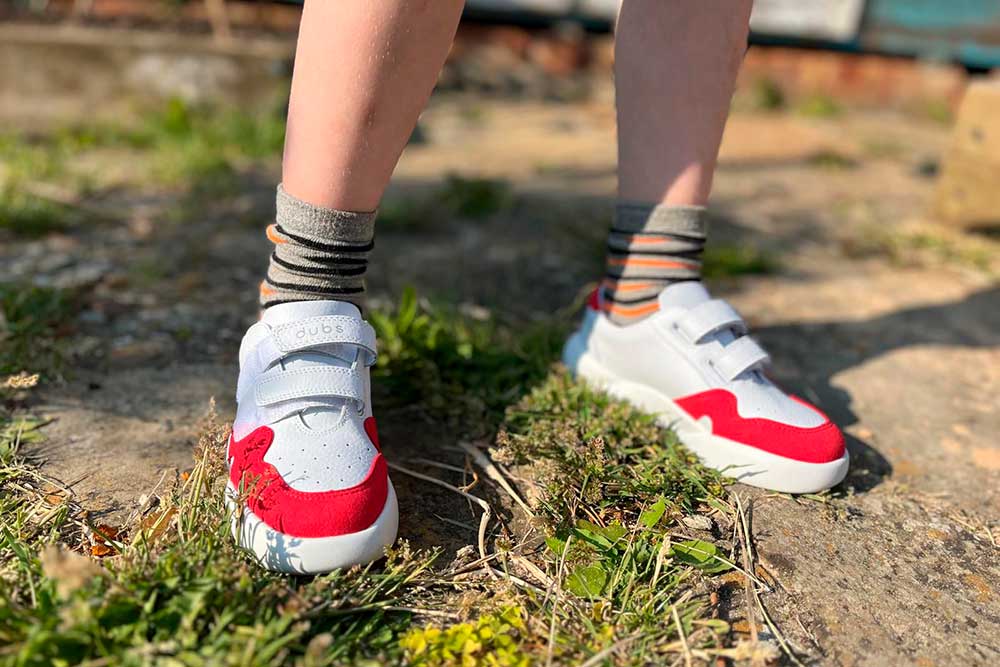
x=324 y=330
x=708 y=317
x=278 y=385
x=740 y=356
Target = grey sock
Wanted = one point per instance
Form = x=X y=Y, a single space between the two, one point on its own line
x=649 y=247
x=319 y=253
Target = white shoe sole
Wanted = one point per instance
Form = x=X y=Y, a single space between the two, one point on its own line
x=745 y=463
x=313 y=555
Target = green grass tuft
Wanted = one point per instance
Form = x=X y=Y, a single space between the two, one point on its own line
x=727 y=261
x=463 y=370
x=28 y=216
x=764 y=94
x=819 y=105
x=202 y=149
x=600 y=452
x=475 y=197
x=831 y=159
x=33 y=322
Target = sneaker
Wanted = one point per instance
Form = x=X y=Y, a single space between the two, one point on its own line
x=308 y=485
x=693 y=364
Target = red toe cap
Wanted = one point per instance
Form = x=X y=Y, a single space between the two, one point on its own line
x=818 y=444
x=303 y=513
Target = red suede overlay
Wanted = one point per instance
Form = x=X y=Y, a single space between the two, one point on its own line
x=594 y=300
x=302 y=513
x=371 y=428
x=820 y=444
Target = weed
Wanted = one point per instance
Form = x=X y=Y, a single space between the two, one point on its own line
x=29 y=216
x=600 y=452
x=33 y=321
x=491 y=640
x=457 y=197
x=727 y=261
x=457 y=367
x=920 y=245
x=410 y=213
x=764 y=94
x=819 y=105
x=182 y=145
x=831 y=159
x=474 y=197
x=938 y=111
x=884 y=149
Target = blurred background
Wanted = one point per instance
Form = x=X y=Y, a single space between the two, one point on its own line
x=855 y=221
x=856 y=205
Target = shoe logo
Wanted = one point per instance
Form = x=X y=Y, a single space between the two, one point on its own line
x=316 y=330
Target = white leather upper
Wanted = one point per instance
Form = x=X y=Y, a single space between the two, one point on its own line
x=694 y=344
x=304 y=372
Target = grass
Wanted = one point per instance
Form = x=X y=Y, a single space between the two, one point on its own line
x=729 y=261
x=603 y=570
x=33 y=323
x=28 y=216
x=457 y=197
x=922 y=245
x=198 y=149
x=762 y=95
x=819 y=105
x=938 y=111
x=832 y=159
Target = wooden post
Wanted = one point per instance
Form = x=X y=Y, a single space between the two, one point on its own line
x=968 y=191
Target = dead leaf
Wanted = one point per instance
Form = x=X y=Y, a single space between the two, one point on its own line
x=157 y=523
x=103 y=532
x=101 y=550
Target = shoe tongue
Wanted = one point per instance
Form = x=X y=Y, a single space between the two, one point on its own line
x=683 y=295
x=299 y=310
x=327 y=355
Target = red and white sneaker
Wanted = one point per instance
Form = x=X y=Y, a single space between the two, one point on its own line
x=304 y=453
x=692 y=363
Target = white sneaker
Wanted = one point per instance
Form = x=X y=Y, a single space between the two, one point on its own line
x=304 y=452
x=692 y=364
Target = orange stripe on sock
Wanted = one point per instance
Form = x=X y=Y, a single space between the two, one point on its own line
x=648 y=240
x=654 y=263
x=272 y=236
x=626 y=287
x=632 y=311
x=266 y=291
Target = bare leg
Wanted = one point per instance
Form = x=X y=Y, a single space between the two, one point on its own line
x=675 y=65
x=364 y=70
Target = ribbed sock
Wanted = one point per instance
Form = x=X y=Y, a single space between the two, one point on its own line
x=319 y=253
x=649 y=247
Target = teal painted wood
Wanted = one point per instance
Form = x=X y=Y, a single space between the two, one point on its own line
x=966 y=31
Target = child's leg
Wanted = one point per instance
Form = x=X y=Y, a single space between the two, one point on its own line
x=363 y=73
x=364 y=70
x=675 y=68
x=653 y=335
